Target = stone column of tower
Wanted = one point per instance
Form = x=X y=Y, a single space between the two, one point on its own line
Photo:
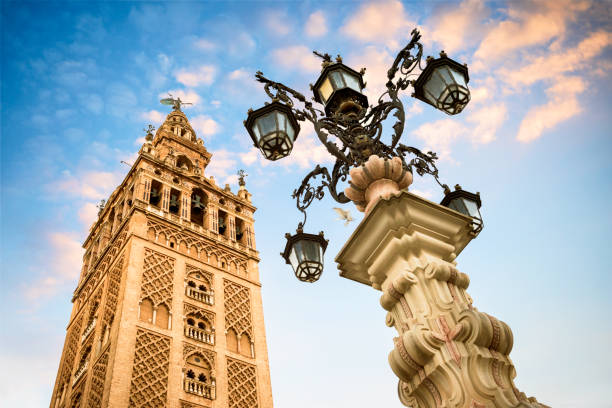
x=168 y=310
x=448 y=353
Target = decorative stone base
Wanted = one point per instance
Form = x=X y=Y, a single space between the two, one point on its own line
x=448 y=354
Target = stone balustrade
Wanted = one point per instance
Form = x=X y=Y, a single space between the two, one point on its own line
x=89 y=329
x=82 y=369
x=202 y=335
x=202 y=389
x=201 y=295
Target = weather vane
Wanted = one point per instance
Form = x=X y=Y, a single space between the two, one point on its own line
x=176 y=103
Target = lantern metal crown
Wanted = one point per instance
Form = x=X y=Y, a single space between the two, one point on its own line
x=347 y=118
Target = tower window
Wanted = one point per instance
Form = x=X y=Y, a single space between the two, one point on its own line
x=175 y=201
x=156 y=193
x=223 y=223
x=199 y=200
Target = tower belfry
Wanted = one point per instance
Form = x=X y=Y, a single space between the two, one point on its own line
x=167 y=311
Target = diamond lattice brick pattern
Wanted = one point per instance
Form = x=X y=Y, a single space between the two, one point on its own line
x=242 y=384
x=150 y=374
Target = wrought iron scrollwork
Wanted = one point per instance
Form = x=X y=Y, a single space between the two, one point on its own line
x=359 y=134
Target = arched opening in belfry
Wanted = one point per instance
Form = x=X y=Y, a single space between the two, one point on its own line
x=175 y=201
x=199 y=201
x=240 y=231
x=183 y=163
x=156 y=193
x=223 y=220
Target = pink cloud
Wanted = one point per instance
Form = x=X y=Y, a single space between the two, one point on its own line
x=63 y=266
x=316 y=25
x=381 y=22
x=562 y=104
x=529 y=24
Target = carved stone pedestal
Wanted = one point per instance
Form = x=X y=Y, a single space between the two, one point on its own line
x=448 y=354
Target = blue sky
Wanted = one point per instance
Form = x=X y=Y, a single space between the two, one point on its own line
x=80 y=80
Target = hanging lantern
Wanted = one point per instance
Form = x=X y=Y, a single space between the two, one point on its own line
x=340 y=88
x=466 y=203
x=273 y=129
x=304 y=252
x=443 y=84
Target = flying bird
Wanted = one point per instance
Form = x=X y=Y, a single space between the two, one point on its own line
x=343 y=215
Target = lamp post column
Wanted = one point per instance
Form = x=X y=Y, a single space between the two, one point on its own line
x=447 y=354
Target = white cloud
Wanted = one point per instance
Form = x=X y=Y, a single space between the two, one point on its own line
x=381 y=22
x=277 y=22
x=204 y=44
x=185 y=95
x=156 y=117
x=63 y=267
x=316 y=25
x=440 y=135
x=91 y=185
x=204 y=125
x=297 y=57
x=88 y=213
x=562 y=104
x=202 y=75
x=222 y=166
x=487 y=121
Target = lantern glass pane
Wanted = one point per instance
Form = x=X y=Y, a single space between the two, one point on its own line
x=458 y=77
x=337 y=79
x=325 y=90
x=445 y=74
x=255 y=129
x=472 y=208
x=267 y=123
x=458 y=205
x=290 y=131
x=352 y=81
x=434 y=87
x=281 y=118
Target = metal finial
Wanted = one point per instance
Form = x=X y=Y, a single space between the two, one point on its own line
x=241 y=175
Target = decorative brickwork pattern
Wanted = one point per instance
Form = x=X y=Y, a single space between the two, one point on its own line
x=237 y=302
x=90 y=282
x=150 y=373
x=196 y=246
x=112 y=295
x=157 y=277
x=242 y=384
x=98 y=377
x=71 y=349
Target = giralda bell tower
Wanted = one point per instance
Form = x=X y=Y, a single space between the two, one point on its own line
x=168 y=310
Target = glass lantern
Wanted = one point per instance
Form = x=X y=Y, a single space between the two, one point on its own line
x=466 y=203
x=304 y=252
x=340 y=88
x=273 y=129
x=443 y=84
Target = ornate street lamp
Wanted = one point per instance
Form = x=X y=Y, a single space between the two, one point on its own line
x=339 y=88
x=443 y=84
x=357 y=131
x=304 y=252
x=466 y=203
x=273 y=129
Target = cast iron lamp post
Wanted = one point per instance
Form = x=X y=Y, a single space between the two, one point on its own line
x=357 y=126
